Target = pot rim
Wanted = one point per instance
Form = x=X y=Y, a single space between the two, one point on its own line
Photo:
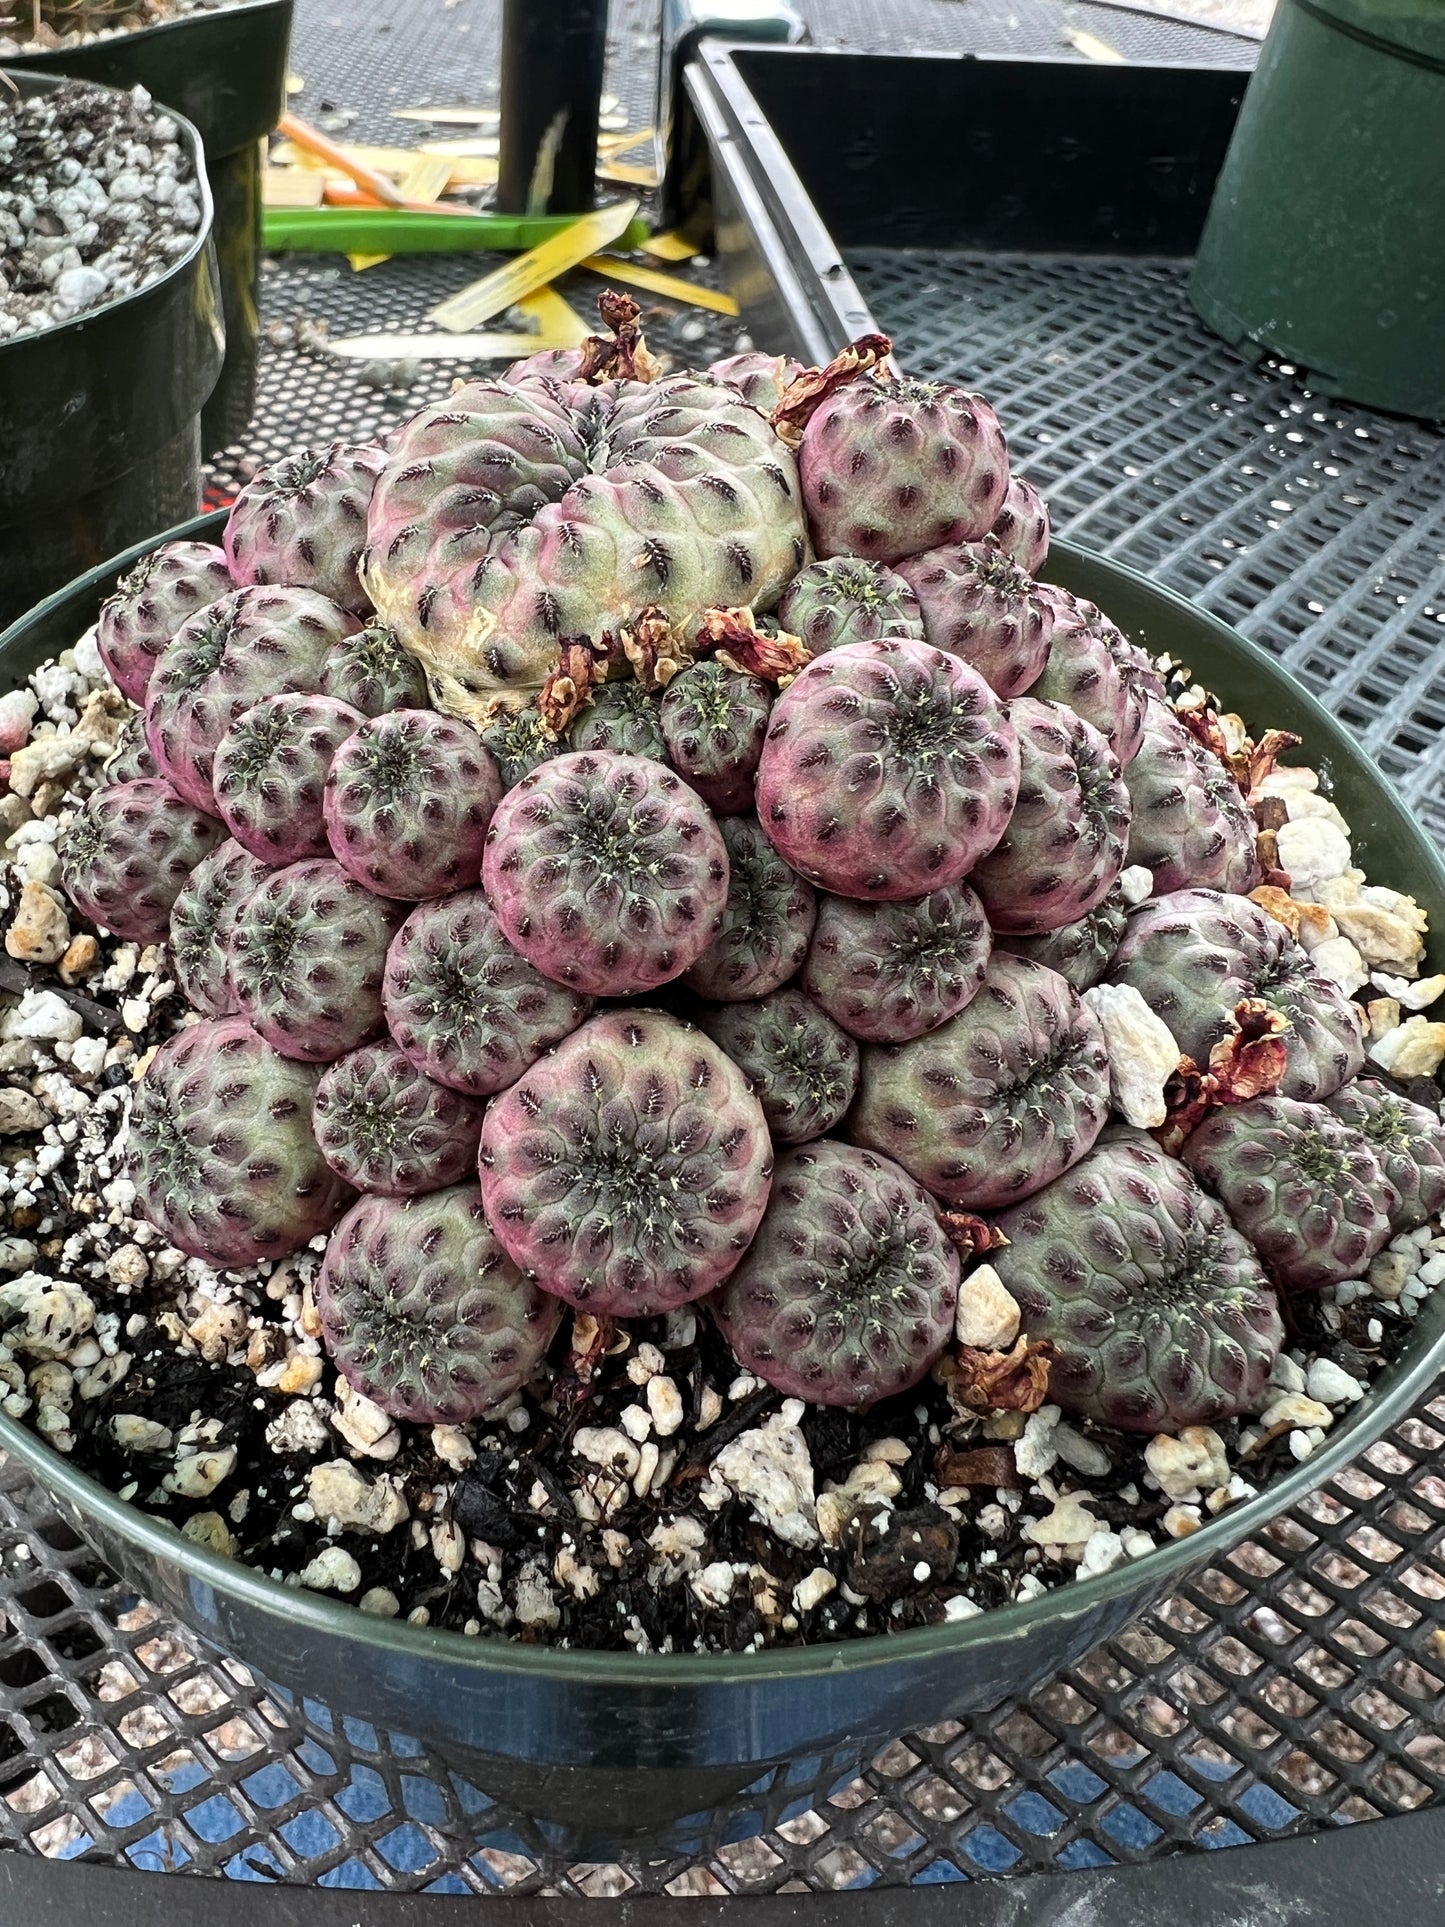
x=182 y=21
x=36 y=340
x=1391 y=1396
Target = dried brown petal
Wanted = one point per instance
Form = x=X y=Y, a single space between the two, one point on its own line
x=1248 y=1062
x=1264 y=754
x=807 y=392
x=1251 y=762
x=623 y=355
x=568 y=689
x=590 y=1341
x=650 y=645
x=972 y=1234
x=1204 y=725
x=733 y=636
x=1013 y=1381
x=1266 y=849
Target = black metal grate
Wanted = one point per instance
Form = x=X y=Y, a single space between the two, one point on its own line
x=1300 y=1684
x=1317 y=529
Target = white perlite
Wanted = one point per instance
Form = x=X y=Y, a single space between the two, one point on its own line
x=988 y=1315
x=44 y=1017
x=340 y=1495
x=332 y=1570
x=43 y=1318
x=813 y=1588
x=1314 y=850
x=1035 y=1452
x=1143 y=1054
x=714 y=1584
x=1195 y=1461
x=1414 y=996
x=1068 y=1527
x=363 y=1424
x=1331 y=1384
x=770 y=1468
x=1415 y=1048
x=1339 y=960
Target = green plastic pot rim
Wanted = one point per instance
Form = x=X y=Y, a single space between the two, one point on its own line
x=137 y=296
x=1377 y=43
x=1392 y=1395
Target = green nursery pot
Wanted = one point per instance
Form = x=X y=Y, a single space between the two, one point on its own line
x=1325 y=242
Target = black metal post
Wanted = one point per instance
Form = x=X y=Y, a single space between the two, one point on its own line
x=552 y=56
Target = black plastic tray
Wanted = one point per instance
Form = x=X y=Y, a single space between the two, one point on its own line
x=800 y=155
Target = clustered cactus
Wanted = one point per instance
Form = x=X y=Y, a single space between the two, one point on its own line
x=631 y=782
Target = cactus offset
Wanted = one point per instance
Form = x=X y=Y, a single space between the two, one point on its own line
x=408 y=800
x=1064 y=846
x=126 y=857
x=889 y=972
x=387 y=1129
x=301 y=522
x=163 y=591
x=767 y=921
x=1408 y=1140
x=979 y=605
x=847 y=600
x=627 y=1171
x=889 y=770
x=714 y=723
x=220 y=1147
x=1304 y=1188
x=202 y=921
x=1159 y=1309
x=606 y=872
x=1195 y=955
x=849 y=1290
x=463 y=1005
x=269 y=774
x=307 y=955
x=801 y=1066
x=373 y=673
x=998 y=1101
x=424 y=1313
x=249 y=644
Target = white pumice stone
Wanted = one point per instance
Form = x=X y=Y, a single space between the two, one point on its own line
x=988 y=1315
x=332 y=1570
x=1415 y=1048
x=771 y=1469
x=1194 y=1461
x=1070 y=1525
x=1331 y=1384
x=1143 y=1053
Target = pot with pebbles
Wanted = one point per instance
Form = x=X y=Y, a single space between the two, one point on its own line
x=649 y=1261
x=224 y=68
x=110 y=327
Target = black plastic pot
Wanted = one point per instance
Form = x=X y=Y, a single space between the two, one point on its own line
x=226 y=72
x=100 y=420
x=613 y=1746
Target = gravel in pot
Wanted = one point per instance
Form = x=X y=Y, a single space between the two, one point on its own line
x=112 y=337
x=98 y=199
